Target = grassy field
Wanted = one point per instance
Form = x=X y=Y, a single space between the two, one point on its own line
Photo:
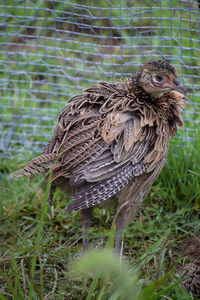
x=47 y=55
x=41 y=255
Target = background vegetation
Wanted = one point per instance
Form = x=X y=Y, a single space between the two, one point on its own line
x=52 y=50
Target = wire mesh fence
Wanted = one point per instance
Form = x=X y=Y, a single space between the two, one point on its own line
x=51 y=50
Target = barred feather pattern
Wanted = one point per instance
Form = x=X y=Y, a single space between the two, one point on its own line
x=192 y=282
x=191 y=271
x=40 y=164
x=92 y=194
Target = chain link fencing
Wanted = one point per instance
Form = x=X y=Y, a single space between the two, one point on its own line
x=51 y=50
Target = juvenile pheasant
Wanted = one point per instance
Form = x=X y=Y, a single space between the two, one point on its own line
x=191 y=272
x=111 y=142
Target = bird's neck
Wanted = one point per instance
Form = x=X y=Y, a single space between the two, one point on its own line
x=170 y=108
x=167 y=108
x=133 y=86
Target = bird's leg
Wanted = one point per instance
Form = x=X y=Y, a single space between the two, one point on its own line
x=51 y=194
x=120 y=225
x=86 y=216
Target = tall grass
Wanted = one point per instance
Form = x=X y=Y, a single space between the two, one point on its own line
x=38 y=252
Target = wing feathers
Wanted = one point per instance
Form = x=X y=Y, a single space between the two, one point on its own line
x=91 y=194
x=40 y=164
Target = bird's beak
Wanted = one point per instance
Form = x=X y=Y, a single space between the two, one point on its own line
x=176 y=85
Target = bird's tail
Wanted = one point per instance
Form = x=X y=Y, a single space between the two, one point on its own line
x=40 y=164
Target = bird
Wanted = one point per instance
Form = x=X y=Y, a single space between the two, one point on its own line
x=191 y=271
x=111 y=143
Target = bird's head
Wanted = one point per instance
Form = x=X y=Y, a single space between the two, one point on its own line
x=158 y=78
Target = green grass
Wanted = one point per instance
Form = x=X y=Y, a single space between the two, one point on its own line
x=41 y=256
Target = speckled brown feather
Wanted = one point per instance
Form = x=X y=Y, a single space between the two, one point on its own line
x=191 y=271
x=111 y=140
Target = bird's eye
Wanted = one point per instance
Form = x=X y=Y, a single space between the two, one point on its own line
x=159 y=78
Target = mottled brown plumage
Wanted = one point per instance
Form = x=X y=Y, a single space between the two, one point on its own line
x=112 y=141
x=191 y=272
